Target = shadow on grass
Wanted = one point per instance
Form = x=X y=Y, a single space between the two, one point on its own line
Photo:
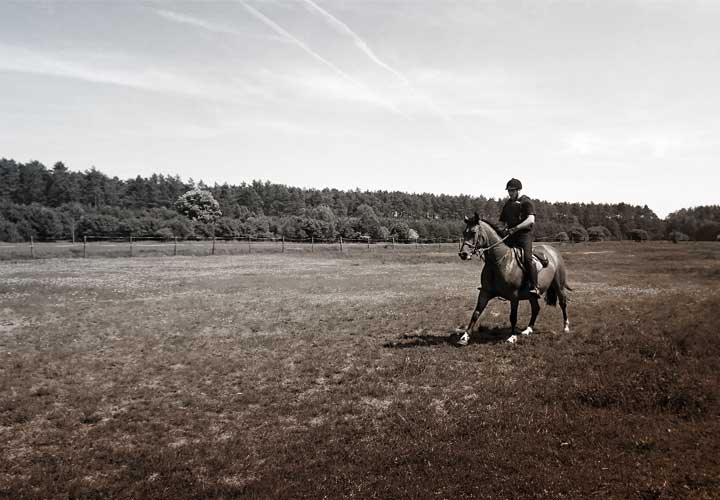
x=485 y=336
x=409 y=341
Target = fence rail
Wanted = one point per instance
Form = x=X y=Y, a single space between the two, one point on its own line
x=109 y=246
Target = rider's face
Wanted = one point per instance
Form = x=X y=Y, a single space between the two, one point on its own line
x=514 y=193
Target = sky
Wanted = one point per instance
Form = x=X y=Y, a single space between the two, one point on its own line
x=584 y=101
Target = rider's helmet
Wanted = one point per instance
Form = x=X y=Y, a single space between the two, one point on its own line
x=514 y=184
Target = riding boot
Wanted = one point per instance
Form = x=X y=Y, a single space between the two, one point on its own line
x=532 y=272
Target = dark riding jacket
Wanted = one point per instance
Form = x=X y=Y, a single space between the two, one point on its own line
x=516 y=211
x=513 y=213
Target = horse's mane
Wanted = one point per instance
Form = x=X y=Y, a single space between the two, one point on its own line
x=492 y=225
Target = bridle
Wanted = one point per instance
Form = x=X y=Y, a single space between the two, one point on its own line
x=477 y=249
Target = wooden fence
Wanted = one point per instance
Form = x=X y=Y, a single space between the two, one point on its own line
x=92 y=246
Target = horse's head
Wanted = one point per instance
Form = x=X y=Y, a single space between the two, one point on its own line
x=471 y=237
x=479 y=236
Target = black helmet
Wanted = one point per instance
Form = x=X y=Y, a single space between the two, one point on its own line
x=514 y=184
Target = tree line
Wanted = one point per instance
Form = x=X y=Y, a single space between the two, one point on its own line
x=57 y=203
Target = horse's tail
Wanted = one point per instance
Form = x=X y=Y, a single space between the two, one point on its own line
x=551 y=295
x=559 y=283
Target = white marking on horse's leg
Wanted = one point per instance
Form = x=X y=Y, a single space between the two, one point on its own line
x=512 y=339
x=527 y=331
x=567 y=327
x=463 y=341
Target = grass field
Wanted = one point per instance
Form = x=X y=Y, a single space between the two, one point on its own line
x=320 y=375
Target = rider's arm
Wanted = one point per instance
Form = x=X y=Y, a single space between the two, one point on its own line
x=526 y=224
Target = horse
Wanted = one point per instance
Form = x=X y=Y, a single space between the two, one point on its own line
x=503 y=277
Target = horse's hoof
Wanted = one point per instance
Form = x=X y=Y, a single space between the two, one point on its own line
x=526 y=331
x=512 y=339
x=566 y=329
x=463 y=341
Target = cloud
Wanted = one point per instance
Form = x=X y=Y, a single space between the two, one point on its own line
x=194 y=21
x=283 y=32
x=355 y=91
x=93 y=68
x=297 y=129
x=649 y=143
x=180 y=18
x=359 y=42
x=121 y=70
x=416 y=96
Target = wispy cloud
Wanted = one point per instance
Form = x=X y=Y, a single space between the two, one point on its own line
x=357 y=40
x=355 y=91
x=194 y=21
x=121 y=70
x=344 y=29
x=25 y=60
x=618 y=144
x=283 y=32
x=209 y=26
x=298 y=129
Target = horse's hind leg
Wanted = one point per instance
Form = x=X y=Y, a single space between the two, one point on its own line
x=513 y=314
x=534 y=310
x=562 y=298
x=513 y=320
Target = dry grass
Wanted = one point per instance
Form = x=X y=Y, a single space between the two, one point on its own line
x=304 y=375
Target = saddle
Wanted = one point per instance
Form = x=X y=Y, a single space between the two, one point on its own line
x=539 y=258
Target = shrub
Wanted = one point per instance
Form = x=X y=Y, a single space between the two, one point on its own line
x=98 y=225
x=164 y=233
x=198 y=205
x=677 y=236
x=638 y=235
x=400 y=230
x=577 y=234
x=598 y=233
x=8 y=232
x=181 y=227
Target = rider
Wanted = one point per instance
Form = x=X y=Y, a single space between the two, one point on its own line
x=518 y=214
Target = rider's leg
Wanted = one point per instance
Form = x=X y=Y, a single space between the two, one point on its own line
x=526 y=243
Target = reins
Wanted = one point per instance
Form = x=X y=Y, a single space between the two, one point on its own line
x=480 y=250
x=477 y=250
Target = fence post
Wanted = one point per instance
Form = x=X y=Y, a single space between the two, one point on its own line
x=312 y=243
x=393 y=244
x=175 y=247
x=282 y=250
x=249 y=244
x=341 y=248
x=32 y=248
x=131 y=248
x=368 y=244
x=84 y=247
x=213 y=247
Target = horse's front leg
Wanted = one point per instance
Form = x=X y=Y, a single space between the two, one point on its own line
x=483 y=299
